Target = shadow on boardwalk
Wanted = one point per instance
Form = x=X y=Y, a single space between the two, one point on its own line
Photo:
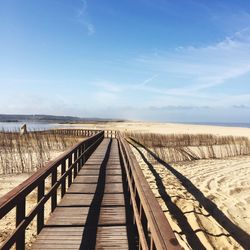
x=242 y=237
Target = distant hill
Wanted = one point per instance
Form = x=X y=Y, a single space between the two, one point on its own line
x=50 y=119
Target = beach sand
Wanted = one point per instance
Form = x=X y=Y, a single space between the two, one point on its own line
x=7 y=223
x=163 y=128
x=226 y=182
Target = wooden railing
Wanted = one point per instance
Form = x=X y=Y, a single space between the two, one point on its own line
x=154 y=231
x=61 y=172
x=83 y=132
x=72 y=132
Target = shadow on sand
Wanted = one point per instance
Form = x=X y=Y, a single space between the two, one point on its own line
x=174 y=210
x=235 y=232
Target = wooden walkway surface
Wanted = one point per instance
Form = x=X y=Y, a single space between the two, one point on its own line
x=92 y=214
x=106 y=202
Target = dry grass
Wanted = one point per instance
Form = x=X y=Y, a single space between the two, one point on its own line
x=27 y=153
x=188 y=147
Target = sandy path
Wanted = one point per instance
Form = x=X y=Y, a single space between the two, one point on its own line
x=225 y=182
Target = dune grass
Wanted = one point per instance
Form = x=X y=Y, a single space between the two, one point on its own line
x=188 y=147
x=27 y=153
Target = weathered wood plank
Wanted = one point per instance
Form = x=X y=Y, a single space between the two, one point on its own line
x=112 y=216
x=86 y=179
x=85 y=171
x=113 y=200
x=80 y=188
x=114 y=237
x=110 y=171
x=68 y=216
x=76 y=200
x=113 y=188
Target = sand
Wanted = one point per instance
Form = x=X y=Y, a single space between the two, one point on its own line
x=7 y=223
x=224 y=182
x=164 y=128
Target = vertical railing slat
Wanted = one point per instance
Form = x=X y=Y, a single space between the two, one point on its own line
x=70 y=173
x=63 y=186
x=54 y=195
x=40 y=215
x=75 y=164
x=20 y=216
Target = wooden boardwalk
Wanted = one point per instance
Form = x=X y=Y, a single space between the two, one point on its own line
x=92 y=212
x=106 y=202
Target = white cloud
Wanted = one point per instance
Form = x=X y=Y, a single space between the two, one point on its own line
x=83 y=18
x=204 y=67
x=190 y=75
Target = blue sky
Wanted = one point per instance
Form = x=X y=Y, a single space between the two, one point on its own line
x=162 y=60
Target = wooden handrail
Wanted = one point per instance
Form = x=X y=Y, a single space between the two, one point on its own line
x=73 y=132
x=154 y=231
x=83 y=132
x=76 y=155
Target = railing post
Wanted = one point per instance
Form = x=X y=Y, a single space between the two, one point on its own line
x=54 y=195
x=144 y=222
x=84 y=156
x=70 y=173
x=75 y=164
x=20 y=216
x=40 y=214
x=63 y=185
x=81 y=148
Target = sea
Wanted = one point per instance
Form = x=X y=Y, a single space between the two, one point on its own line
x=36 y=126
x=31 y=126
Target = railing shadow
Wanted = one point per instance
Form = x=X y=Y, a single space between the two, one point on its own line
x=238 y=234
x=174 y=210
x=90 y=231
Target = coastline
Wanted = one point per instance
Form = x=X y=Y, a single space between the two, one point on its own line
x=163 y=128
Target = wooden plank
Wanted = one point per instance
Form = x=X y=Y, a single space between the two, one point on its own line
x=82 y=188
x=61 y=231
x=112 y=216
x=76 y=200
x=113 y=200
x=113 y=171
x=114 y=237
x=69 y=216
x=90 y=166
x=113 y=179
x=85 y=171
x=113 y=166
x=86 y=179
x=113 y=188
